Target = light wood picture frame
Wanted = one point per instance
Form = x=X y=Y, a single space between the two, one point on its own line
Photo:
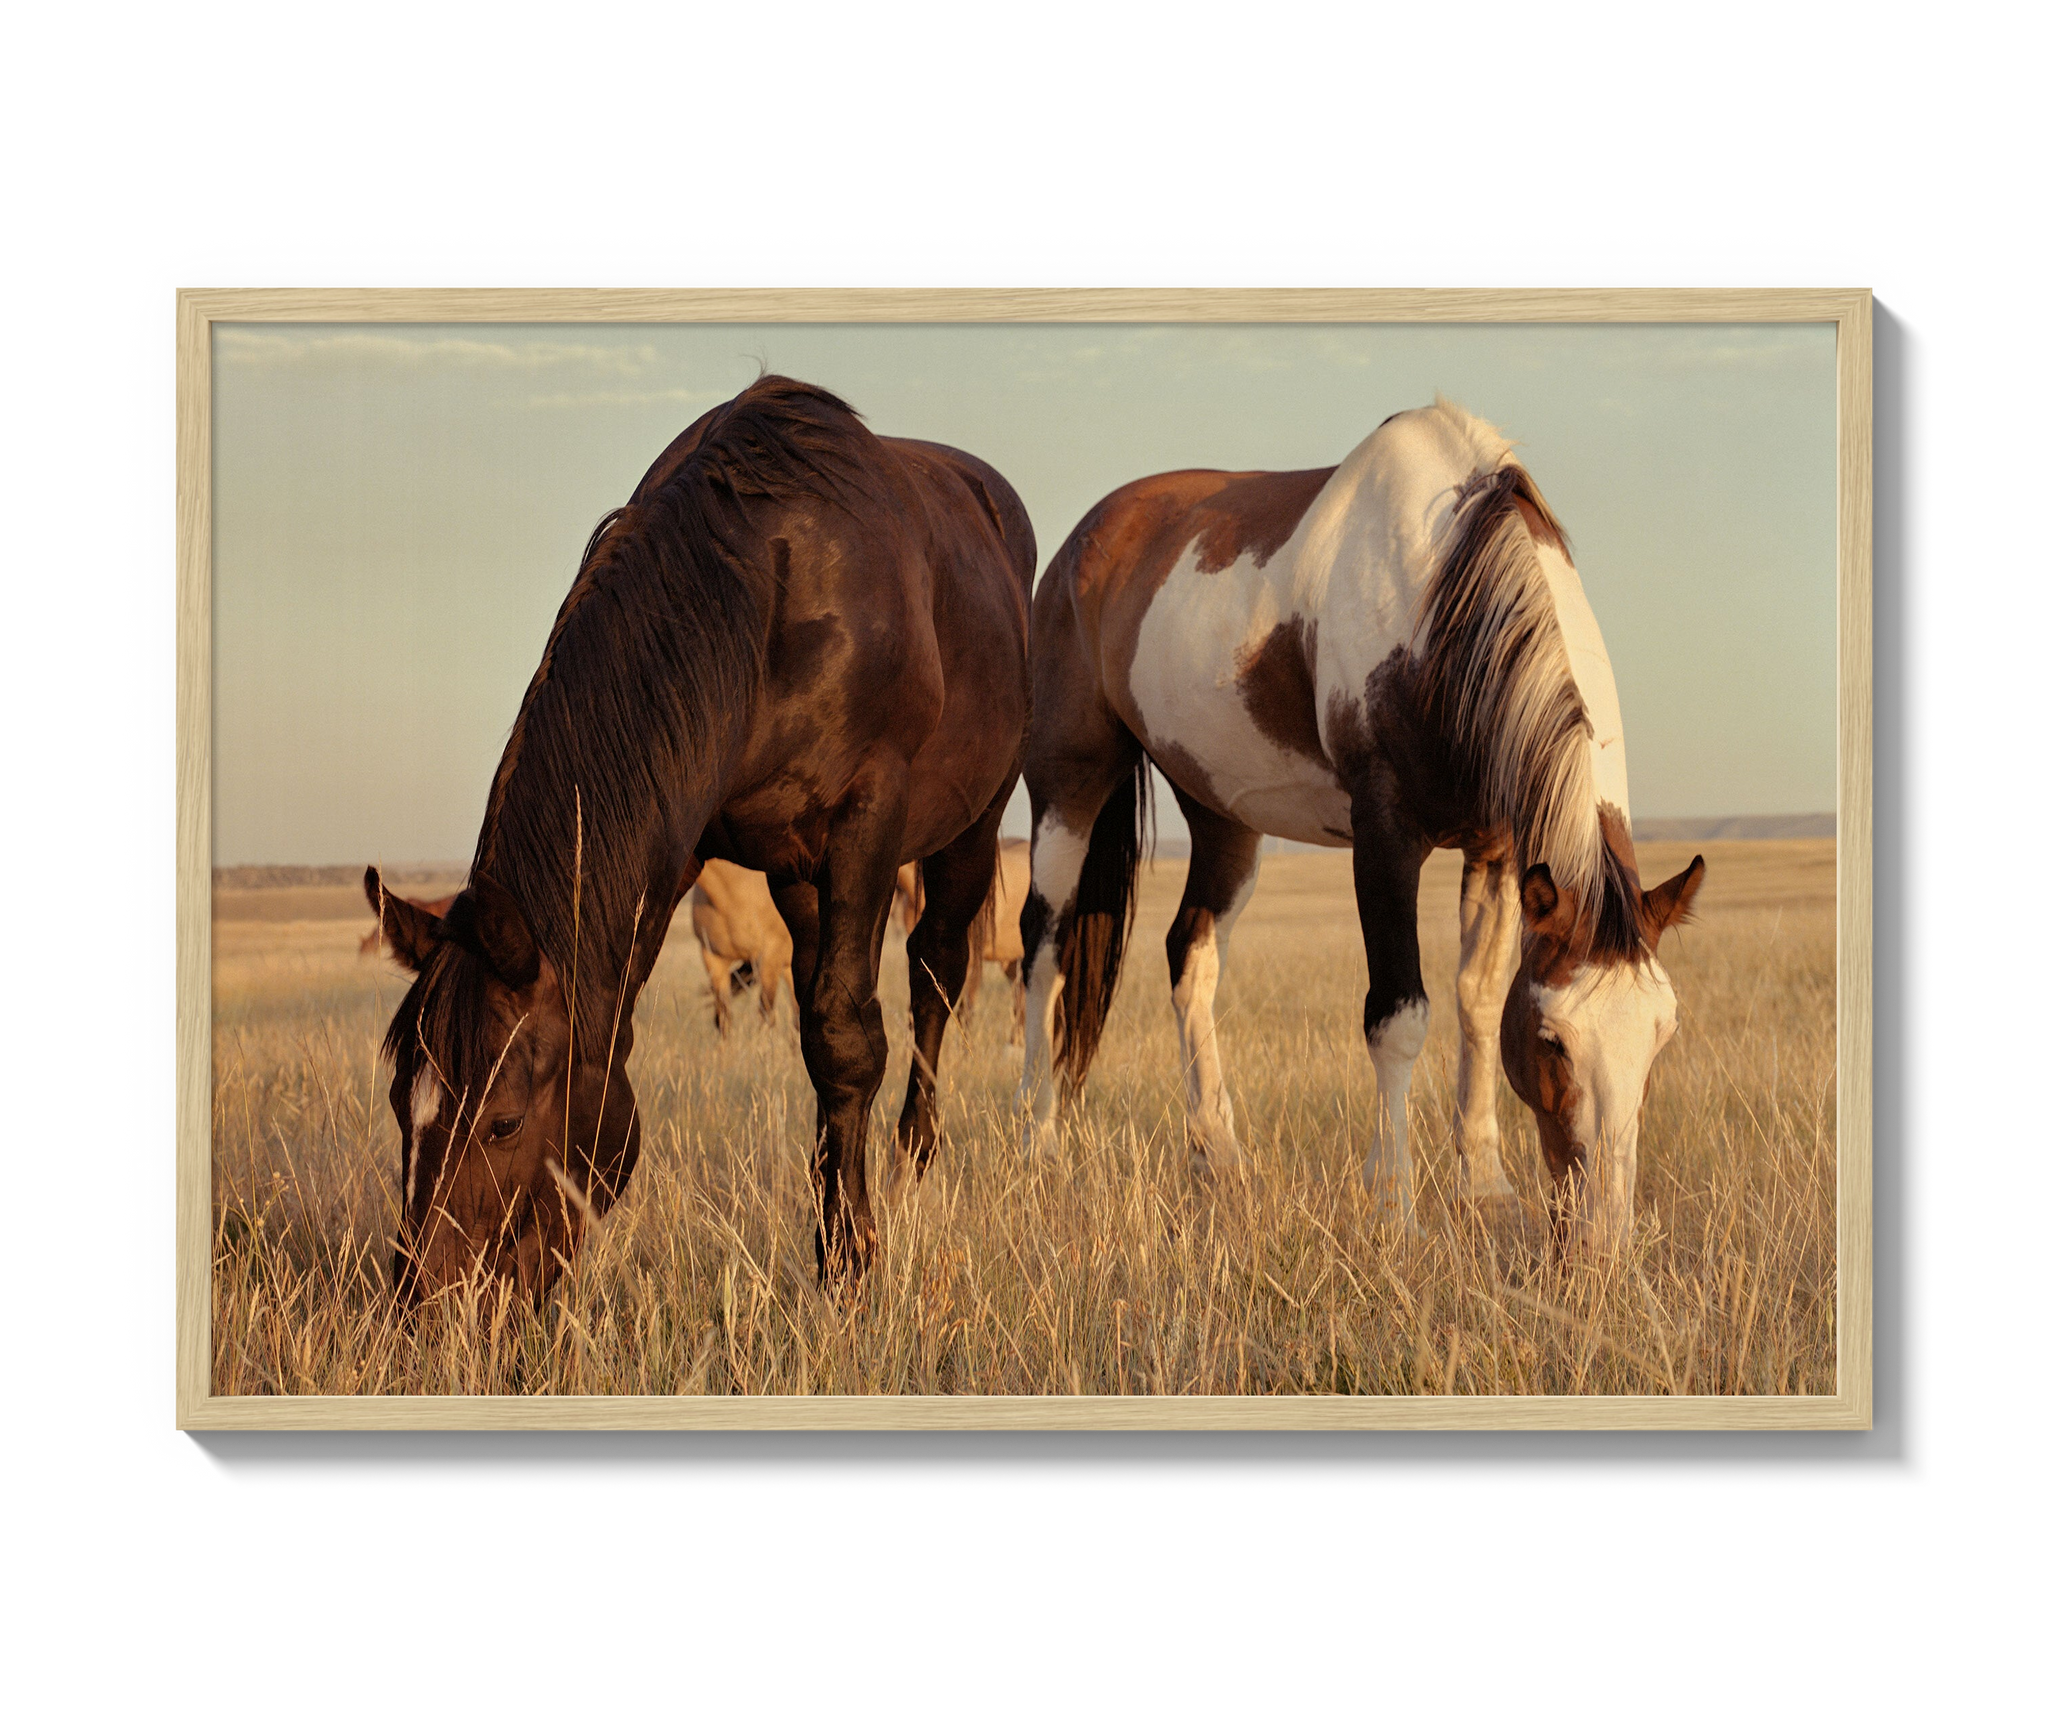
x=1849 y=312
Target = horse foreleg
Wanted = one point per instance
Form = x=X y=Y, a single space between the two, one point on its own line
x=1223 y=869
x=942 y=963
x=1386 y=871
x=1489 y=950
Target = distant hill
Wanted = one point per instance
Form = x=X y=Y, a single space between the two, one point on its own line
x=1803 y=826
x=331 y=876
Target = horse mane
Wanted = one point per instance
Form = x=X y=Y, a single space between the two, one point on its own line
x=650 y=669
x=1497 y=683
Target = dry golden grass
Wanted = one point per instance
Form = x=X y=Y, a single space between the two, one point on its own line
x=1112 y=1272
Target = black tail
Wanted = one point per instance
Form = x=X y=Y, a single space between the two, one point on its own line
x=1093 y=936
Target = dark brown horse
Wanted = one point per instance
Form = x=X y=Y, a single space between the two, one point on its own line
x=799 y=647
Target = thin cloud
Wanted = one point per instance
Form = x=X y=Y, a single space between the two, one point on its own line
x=253 y=348
x=1721 y=346
x=633 y=397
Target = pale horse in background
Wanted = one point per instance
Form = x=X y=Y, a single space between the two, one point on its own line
x=740 y=935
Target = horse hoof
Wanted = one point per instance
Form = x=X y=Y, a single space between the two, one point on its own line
x=1041 y=1144
x=1489 y=1196
x=1215 y=1159
x=1388 y=1210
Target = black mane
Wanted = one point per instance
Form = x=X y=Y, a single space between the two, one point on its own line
x=650 y=673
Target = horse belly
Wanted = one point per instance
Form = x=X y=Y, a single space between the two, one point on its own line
x=1236 y=739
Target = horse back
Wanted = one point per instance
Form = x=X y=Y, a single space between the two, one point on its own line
x=1175 y=594
x=898 y=635
x=946 y=475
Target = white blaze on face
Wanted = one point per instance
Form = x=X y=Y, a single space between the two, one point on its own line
x=426 y=1106
x=1611 y=1022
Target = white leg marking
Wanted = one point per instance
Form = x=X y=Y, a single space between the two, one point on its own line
x=1057 y=854
x=1039 y=1097
x=1490 y=919
x=1389 y=1173
x=1212 y=1131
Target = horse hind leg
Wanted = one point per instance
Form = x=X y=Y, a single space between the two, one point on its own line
x=1068 y=801
x=1489 y=921
x=1223 y=869
x=942 y=961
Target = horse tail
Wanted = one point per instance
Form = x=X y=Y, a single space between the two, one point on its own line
x=1093 y=938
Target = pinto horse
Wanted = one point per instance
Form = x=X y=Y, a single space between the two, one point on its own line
x=1392 y=655
x=799 y=647
x=740 y=935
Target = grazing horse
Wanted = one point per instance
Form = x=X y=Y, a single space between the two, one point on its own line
x=733 y=913
x=373 y=938
x=1392 y=655
x=997 y=934
x=799 y=647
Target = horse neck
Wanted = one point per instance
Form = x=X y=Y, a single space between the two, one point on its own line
x=600 y=894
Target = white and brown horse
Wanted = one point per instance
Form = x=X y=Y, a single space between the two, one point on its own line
x=740 y=935
x=1392 y=655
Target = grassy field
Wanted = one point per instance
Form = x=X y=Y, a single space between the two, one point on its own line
x=1110 y=1273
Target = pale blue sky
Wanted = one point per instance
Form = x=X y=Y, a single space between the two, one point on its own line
x=398 y=511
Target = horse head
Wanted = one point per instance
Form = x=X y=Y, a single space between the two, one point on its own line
x=1582 y=1025
x=512 y=1138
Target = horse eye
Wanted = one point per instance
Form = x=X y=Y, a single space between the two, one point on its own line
x=1545 y=1035
x=505 y=1127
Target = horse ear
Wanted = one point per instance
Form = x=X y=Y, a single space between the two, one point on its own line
x=1545 y=907
x=410 y=931
x=1670 y=903
x=486 y=918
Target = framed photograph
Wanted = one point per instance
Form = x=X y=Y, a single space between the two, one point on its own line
x=1024 y=859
